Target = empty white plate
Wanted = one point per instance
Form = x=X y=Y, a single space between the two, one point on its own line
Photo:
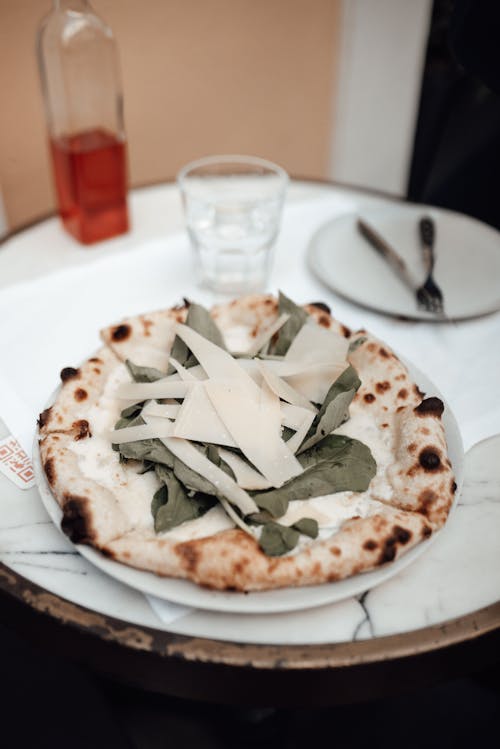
x=467 y=261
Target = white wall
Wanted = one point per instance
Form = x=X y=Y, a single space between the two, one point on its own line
x=383 y=45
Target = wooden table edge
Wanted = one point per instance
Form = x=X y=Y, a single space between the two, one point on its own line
x=456 y=631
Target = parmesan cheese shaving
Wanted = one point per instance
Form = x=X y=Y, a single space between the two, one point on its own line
x=266 y=336
x=293 y=416
x=140 y=391
x=254 y=423
x=315 y=344
x=216 y=362
x=165 y=410
x=296 y=440
x=155 y=427
x=198 y=420
x=183 y=373
x=283 y=390
x=315 y=383
x=246 y=476
x=199 y=463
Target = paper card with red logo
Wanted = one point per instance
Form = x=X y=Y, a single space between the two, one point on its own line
x=16 y=464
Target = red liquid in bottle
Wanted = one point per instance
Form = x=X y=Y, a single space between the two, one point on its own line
x=91 y=182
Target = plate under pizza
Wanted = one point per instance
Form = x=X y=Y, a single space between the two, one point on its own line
x=376 y=535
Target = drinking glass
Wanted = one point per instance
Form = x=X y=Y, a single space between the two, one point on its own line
x=233 y=207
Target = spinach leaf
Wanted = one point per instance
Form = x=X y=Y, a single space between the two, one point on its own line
x=334 y=410
x=194 y=481
x=146 y=466
x=273 y=501
x=307 y=526
x=277 y=539
x=289 y=330
x=200 y=320
x=159 y=499
x=336 y=464
x=171 y=505
x=126 y=421
x=143 y=374
x=356 y=344
x=152 y=450
x=132 y=411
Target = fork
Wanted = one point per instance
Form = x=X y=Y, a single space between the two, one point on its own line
x=429 y=295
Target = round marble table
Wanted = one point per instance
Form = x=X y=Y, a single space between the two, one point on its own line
x=438 y=618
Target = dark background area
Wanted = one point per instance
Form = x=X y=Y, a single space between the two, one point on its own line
x=456 y=155
x=48 y=702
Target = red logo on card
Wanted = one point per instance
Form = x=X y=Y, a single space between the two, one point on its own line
x=14 y=460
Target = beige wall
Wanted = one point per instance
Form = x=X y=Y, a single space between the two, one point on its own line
x=199 y=77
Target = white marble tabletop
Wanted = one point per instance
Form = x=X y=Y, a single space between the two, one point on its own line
x=458 y=574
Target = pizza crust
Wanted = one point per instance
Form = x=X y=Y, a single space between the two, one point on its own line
x=415 y=486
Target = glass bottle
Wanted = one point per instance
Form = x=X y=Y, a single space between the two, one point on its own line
x=80 y=77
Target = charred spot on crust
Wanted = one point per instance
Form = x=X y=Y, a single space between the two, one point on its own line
x=371 y=347
x=322 y=306
x=80 y=394
x=336 y=551
x=189 y=555
x=412 y=447
x=381 y=387
x=418 y=392
x=384 y=426
x=426 y=498
x=370 y=544
x=399 y=409
x=453 y=487
x=82 y=428
x=430 y=407
x=121 y=332
x=324 y=320
x=429 y=459
x=369 y=397
x=50 y=471
x=426 y=531
x=385 y=354
x=345 y=331
x=108 y=552
x=147 y=325
x=402 y=534
x=185 y=305
x=403 y=393
x=399 y=535
x=44 y=417
x=69 y=373
x=95 y=360
x=76 y=522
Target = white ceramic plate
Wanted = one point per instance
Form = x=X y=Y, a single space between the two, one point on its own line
x=467 y=261
x=266 y=602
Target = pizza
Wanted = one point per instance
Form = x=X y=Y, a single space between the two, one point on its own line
x=256 y=445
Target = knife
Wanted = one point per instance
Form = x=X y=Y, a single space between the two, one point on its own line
x=389 y=254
